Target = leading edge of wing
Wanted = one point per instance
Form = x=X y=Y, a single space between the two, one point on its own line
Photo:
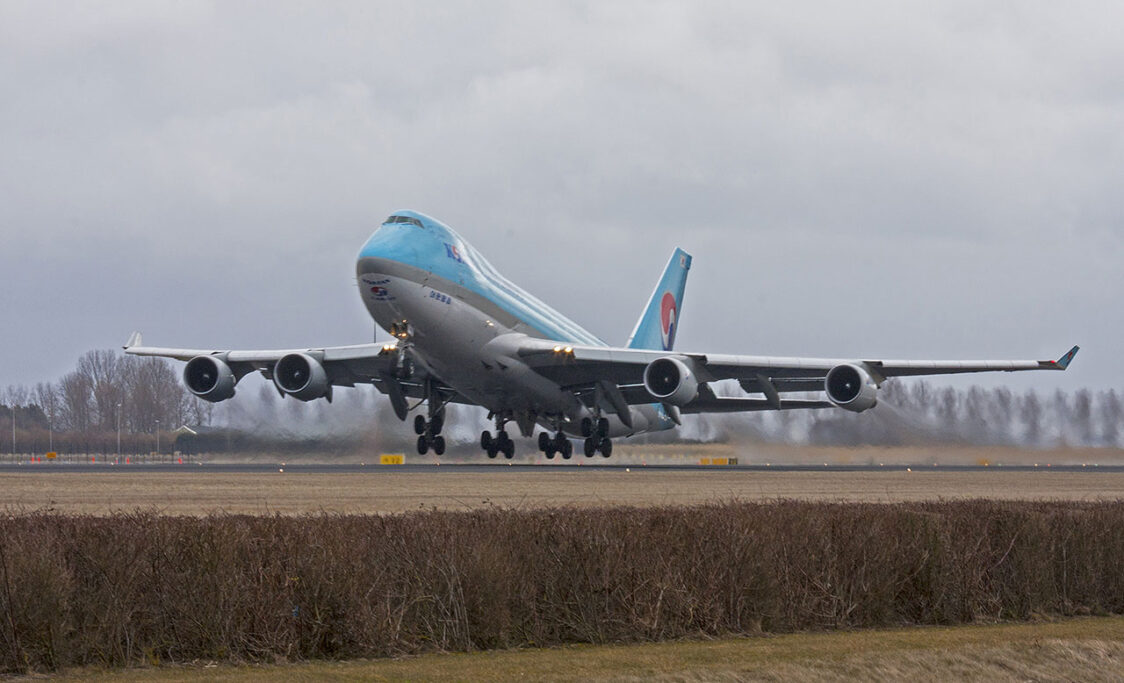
x=327 y=354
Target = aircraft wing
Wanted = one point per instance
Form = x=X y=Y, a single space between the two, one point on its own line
x=581 y=366
x=345 y=366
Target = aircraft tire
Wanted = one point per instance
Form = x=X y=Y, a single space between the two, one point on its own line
x=603 y=427
x=549 y=453
x=439 y=445
x=423 y=445
x=544 y=441
x=606 y=447
x=436 y=424
x=567 y=449
x=486 y=440
x=506 y=445
x=419 y=425
x=587 y=427
x=590 y=447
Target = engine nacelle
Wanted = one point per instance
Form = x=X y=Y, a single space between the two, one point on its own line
x=301 y=376
x=209 y=378
x=671 y=380
x=851 y=387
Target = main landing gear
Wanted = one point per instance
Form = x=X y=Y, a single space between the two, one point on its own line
x=500 y=443
x=557 y=444
x=429 y=434
x=596 y=435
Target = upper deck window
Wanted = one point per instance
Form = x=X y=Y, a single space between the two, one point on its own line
x=403 y=219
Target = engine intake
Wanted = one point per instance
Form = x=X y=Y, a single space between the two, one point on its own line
x=301 y=376
x=851 y=387
x=209 y=378
x=671 y=380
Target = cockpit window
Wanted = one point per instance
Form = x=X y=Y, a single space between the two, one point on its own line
x=403 y=219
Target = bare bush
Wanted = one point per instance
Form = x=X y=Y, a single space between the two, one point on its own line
x=140 y=588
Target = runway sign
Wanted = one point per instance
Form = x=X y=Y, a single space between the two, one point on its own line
x=392 y=459
x=718 y=461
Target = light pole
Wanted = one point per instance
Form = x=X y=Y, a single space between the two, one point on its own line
x=118 y=431
x=13 y=431
x=158 y=439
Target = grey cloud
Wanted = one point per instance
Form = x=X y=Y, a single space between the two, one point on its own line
x=901 y=179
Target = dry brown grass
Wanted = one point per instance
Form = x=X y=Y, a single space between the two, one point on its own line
x=193 y=492
x=1088 y=649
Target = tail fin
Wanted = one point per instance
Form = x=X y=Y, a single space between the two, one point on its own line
x=657 y=325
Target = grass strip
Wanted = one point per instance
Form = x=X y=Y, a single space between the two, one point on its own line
x=1090 y=648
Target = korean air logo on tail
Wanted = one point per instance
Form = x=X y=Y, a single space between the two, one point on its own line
x=668 y=311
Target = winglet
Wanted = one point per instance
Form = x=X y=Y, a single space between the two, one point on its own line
x=1065 y=360
x=134 y=340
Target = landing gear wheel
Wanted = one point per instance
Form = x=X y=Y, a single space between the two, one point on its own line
x=549 y=453
x=486 y=441
x=544 y=441
x=437 y=423
x=423 y=445
x=567 y=449
x=587 y=427
x=590 y=447
x=505 y=444
x=419 y=425
x=603 y=427
x=439 y=445
x=492 y=451
x=606 y=447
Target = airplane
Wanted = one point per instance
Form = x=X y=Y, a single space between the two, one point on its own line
x=464 y=334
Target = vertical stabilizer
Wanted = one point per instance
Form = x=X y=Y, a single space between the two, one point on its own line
x=660 y=319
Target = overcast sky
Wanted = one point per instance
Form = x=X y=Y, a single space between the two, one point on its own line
x=897 y=180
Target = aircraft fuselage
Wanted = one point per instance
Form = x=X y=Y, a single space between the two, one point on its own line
x=462 y=320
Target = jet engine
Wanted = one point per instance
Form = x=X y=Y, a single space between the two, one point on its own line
x=209 y=378
x=671 y=380
x=302 y=377
x=851 y=387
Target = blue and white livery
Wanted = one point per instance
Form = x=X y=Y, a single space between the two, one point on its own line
x=463 y=333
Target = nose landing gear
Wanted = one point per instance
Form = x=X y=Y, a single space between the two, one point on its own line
x=429 y=431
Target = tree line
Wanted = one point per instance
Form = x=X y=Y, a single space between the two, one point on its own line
x=106 y=394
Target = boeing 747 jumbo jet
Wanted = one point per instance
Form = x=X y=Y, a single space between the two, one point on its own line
x=465 y=334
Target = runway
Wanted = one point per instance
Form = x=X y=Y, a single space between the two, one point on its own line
x=521 y=467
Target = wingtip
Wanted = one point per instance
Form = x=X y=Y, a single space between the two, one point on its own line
x=1065 y=360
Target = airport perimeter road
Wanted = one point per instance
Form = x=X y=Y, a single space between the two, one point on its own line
x=267 y=489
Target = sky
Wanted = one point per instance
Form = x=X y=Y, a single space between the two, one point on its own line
x=888 y=180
